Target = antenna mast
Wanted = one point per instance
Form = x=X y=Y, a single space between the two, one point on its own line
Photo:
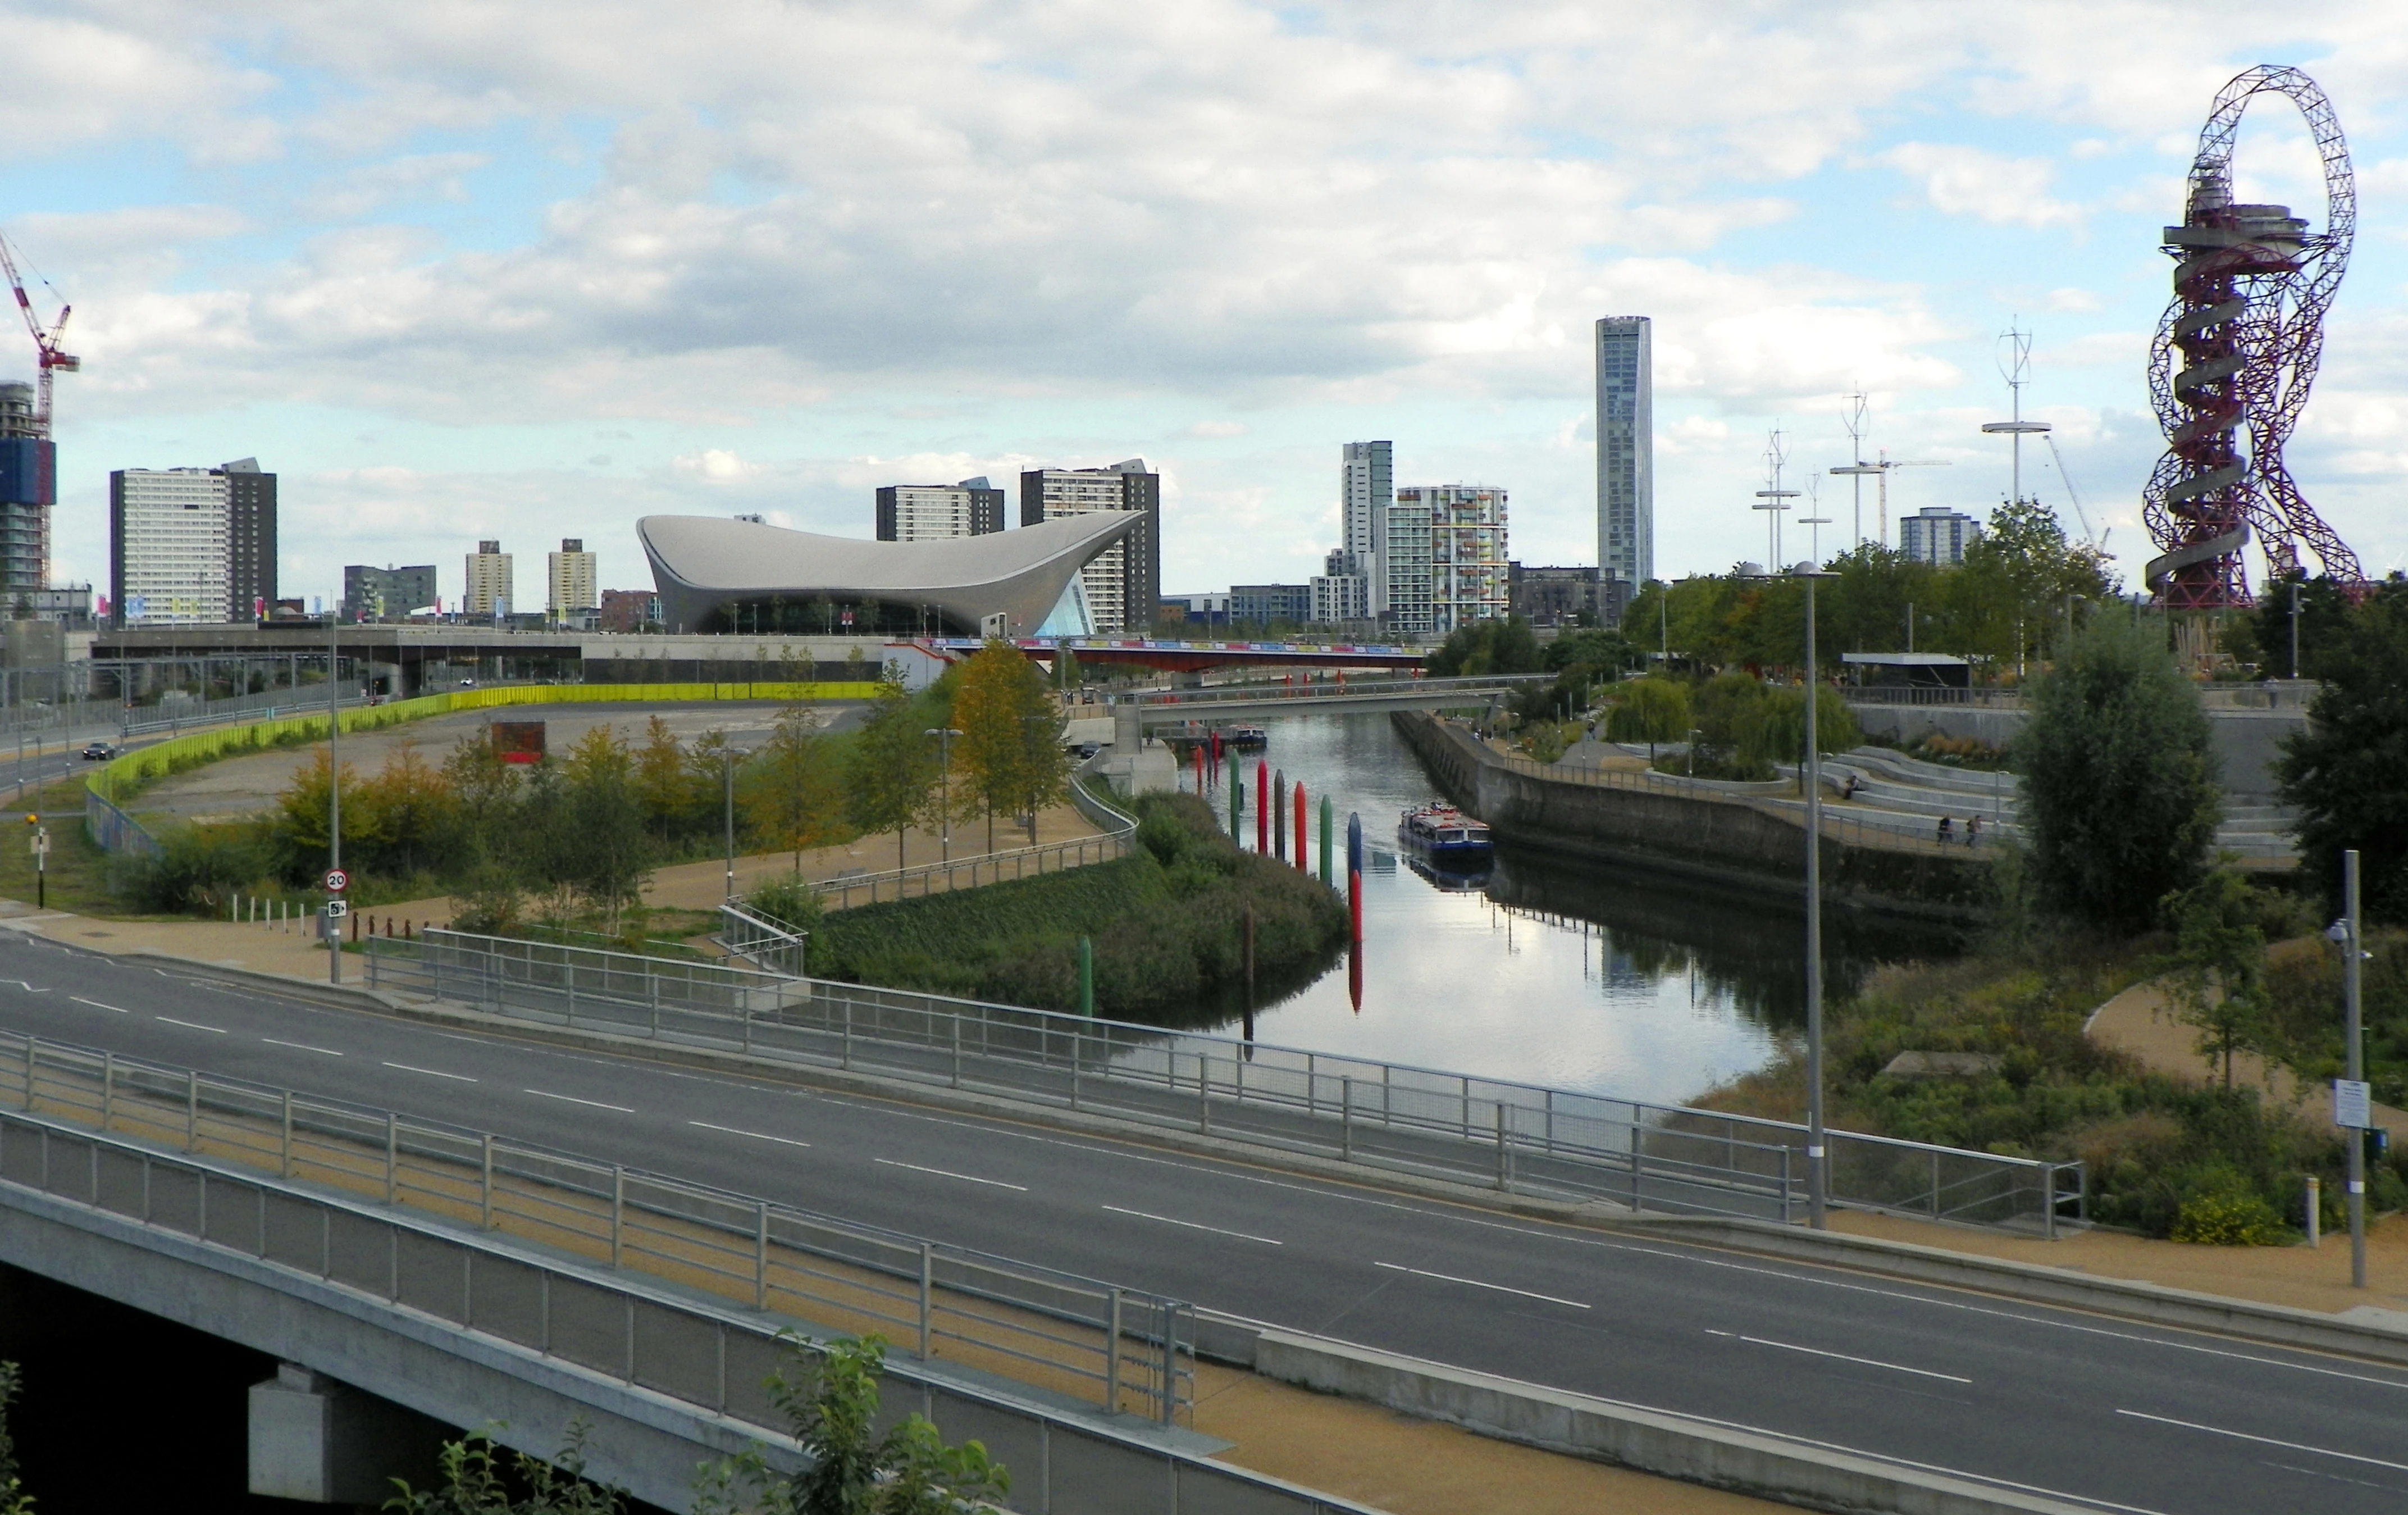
x=2018 y=368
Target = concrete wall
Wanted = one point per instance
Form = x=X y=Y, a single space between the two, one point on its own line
x=1700 y=835
x=2246 y=741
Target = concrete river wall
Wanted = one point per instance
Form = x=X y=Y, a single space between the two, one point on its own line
x=1686 y=829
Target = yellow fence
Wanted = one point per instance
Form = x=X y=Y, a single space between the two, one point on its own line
x=124 y=776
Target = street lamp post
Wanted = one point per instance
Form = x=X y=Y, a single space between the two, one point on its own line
x=727 y=757
x=1817 y=1165
x=944 y=735
x=2344 y=933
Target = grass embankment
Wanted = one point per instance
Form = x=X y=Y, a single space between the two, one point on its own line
x=2164 y=1155
x=1166 y=923
x=79 y=873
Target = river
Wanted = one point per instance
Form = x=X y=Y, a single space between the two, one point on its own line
x=1583 y=976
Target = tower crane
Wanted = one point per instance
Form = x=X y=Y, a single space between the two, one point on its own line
x=1879 y=468
x=49 y=356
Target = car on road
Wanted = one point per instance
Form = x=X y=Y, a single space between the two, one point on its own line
x=101 y=752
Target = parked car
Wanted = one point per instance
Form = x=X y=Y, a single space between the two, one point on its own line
x=101 y=752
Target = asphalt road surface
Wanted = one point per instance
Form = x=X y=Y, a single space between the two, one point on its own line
x=2088 y=1410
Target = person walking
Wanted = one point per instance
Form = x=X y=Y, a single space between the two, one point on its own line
x=1947 y=830
x=1972 y=831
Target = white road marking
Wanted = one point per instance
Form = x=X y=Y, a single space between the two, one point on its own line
x=97 y=1006
x=192 y=1025
x=571 y=1099
x=1194 y=1225
x=27 y=988
x=303 y=1046
x=431 y=1073
x=1476 y=1283
x=756 y=1135
x=992 y=1183
x=2264 y=1441
x=1817 y=1351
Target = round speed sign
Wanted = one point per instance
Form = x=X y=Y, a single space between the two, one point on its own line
x=337 y=881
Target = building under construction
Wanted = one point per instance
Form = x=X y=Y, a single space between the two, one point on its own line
x=28 y=488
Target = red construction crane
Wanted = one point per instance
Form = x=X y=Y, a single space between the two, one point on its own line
x=50 y=357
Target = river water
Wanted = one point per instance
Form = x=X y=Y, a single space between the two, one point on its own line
x=1556 y=970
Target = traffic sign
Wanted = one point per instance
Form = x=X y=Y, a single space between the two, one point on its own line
x=337 y=909
x=337 y=881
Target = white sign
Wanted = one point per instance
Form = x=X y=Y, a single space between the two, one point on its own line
x=337 y=881
x=337 y=909
x=42 y=843
x=2353 y=1104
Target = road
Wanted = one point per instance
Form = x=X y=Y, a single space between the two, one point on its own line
x=2119 y=1417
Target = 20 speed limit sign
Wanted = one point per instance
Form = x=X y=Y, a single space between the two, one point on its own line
x=337 y=881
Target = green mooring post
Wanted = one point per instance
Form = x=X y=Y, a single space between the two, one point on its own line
x=1087 y=978
x=1329 y=823
x=1237 y=796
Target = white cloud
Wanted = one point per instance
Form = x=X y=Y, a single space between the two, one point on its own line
x=718 y=464
x=1968 y=182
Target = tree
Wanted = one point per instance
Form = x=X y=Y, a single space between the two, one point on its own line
x=1506 y=647
x=2219 y=983
x=14 y=1500
x=892 y=768
x=832 y=1402
x=1605 y=652
x=2119 y=794
x=598 y=849
x=1650 y=711
x=666 y=786
x=2347 y=774
x=986 y=708
x=477 y=1481
x=790 y=792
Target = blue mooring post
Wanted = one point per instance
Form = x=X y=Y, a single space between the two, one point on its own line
x=1087 y=978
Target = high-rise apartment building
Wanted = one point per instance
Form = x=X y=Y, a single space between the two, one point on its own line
x=1626 y=449
x=1405 y=551
x=574 y=583
x=1367 y=488
x=386 y=594
x=251 y=540
x=927 y=512
x=1469 y=577
x=1339 y=591
x=488 y=590
x=169 y=559
x=28 y=488
x=1123 y=582
x=1938 y=536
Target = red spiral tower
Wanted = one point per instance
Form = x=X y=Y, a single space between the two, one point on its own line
x=2234 y=356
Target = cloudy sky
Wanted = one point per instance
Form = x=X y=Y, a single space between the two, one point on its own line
x=459 y=270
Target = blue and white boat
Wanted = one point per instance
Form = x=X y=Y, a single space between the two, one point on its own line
x=1446 y=836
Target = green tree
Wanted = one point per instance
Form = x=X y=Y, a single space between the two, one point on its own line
x=790 y=791
x=831 y=1400
x=2219 y=982
x=479 y=1480
x=2119 y=794
x=665 y=784
x=1506 y=647
x=600 y=849
x=2347 y=774
x=14 y=1500
x=1648 y=709
x=988 y=752
x=1603 y=651
x=2325 y=625
x=892 y=768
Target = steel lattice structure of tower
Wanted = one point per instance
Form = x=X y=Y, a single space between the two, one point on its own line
x=2237 y=352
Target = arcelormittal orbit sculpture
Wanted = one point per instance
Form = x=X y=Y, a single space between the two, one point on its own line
x=2235 y=354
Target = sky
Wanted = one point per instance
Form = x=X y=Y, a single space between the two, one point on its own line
x=459 y=270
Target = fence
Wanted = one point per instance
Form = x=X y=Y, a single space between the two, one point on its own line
x=1124 y=1350
x=1516 y=1138
x=114 y=831
x=765 y=944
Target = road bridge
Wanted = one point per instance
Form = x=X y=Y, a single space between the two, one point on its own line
x=2063 y=1408
x=1250 y=702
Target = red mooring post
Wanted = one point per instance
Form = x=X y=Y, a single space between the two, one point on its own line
x=1301 y=863
x=1262 y=806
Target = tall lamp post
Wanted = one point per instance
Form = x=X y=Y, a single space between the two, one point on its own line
x=2343 y=933
x=944 y=735
x=333 y=790
x=727 y=757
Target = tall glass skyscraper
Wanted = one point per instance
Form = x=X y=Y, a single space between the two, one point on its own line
x=1367 y=487
x=1626 y=450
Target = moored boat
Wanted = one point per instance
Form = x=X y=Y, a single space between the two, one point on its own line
x=1445 y=835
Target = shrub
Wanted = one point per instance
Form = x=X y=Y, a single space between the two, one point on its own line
x=2233 y=1217
x=789 y=901
x=196 y=869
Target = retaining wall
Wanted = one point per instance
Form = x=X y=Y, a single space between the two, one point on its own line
x=2247 y=742
x=1720 y=840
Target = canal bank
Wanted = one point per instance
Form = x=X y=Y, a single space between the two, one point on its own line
x=1714 y=835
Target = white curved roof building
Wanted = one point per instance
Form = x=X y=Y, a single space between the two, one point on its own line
x=719 y=574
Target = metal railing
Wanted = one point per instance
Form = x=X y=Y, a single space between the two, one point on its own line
x=113 y=830
x=1881 y=694
x=1122 y=1350
x=765 y=944
x=1494 y=1134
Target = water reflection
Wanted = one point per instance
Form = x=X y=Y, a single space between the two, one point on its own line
x=1585 y=975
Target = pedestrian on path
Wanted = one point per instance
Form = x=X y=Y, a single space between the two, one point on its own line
x=1947 y=830
x=1972 y=831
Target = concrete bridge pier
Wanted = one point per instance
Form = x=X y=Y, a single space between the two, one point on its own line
x=327 y=1443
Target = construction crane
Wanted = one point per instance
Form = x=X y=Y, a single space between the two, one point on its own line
x=50 y=357
x=1879 y=468
x=2070 y=493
